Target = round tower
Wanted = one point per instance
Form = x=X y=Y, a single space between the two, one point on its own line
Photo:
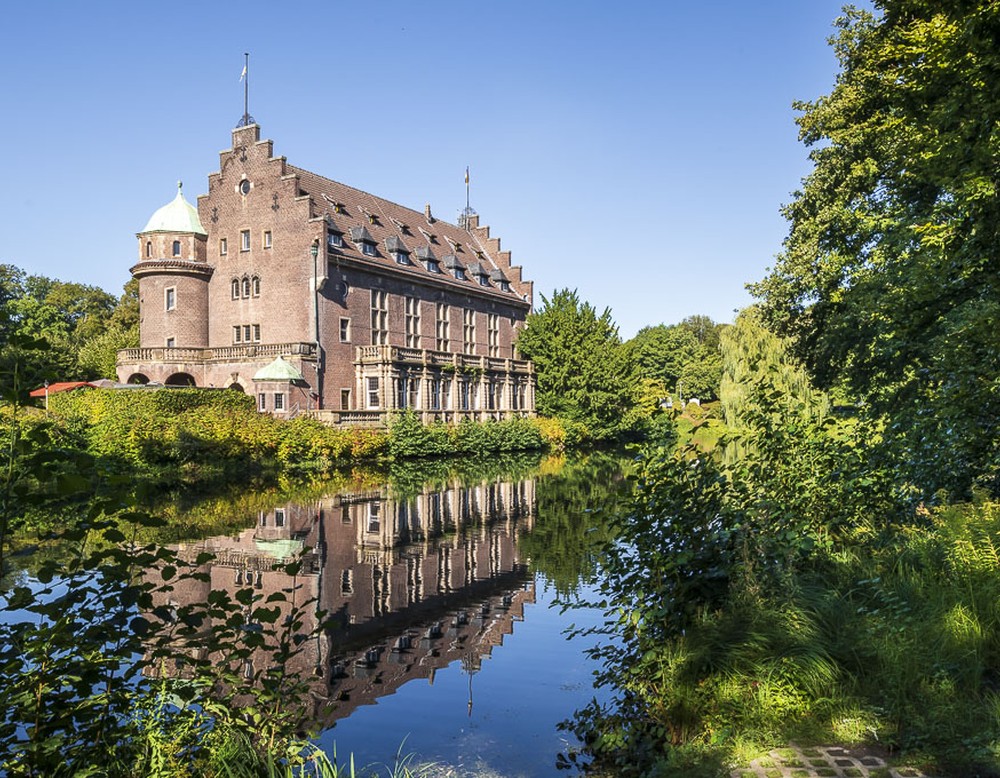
x=173 y=276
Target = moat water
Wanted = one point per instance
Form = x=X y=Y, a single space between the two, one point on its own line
x=447 y=642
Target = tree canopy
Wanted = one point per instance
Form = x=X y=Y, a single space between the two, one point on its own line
x=61 y=330
x=683 y=357
x=888 y=282
x=582 y=371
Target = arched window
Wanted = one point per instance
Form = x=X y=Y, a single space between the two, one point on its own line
x=246 y=287
x=149 y=248
x=256 y=286
x=236 y=288
x=177 y=248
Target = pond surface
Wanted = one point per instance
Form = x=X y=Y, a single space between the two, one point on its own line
x=445 y=643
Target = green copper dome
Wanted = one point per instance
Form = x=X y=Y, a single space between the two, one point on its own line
x=278 y=370
x=176 y=216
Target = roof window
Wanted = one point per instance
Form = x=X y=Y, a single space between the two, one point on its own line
x=457 y=268
x=364 y=241
x=426 y=255
x=398 y=251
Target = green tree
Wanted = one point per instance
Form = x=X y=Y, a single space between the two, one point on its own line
x=683 y=357
x=46 y=323
x=583 y=373
x=888 y=280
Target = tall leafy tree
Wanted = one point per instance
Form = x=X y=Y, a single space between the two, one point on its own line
x=46 y=323
x=683 y=357
x=583 y=373
x=889 y=280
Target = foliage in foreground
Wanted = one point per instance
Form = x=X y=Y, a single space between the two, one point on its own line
x=888 y=281
x=101 y=674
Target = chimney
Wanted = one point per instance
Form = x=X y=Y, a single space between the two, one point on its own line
x=427 y=214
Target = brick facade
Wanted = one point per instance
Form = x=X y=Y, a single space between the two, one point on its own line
x=370 y=337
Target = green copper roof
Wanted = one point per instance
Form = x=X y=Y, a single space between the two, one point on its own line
x=281 y=548
x=176 y=216
x=278 y=370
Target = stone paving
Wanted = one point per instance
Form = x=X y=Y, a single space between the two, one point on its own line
x=832 y=761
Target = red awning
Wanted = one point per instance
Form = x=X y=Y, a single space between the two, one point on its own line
x=61 y=386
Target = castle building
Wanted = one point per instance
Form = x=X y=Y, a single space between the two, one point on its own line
x=317 y=297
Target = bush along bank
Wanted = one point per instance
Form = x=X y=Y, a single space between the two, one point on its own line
x=190 y=435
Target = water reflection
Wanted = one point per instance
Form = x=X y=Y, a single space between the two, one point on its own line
x=411 y=583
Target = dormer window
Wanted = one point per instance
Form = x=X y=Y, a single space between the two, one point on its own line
x=455 y=267
x=500 y=280
x=479 y=273
x=334 y=239
x=425 y=255
x=398 y=251
x=364 y=241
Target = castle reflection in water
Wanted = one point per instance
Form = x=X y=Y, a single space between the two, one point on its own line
x=412 y=584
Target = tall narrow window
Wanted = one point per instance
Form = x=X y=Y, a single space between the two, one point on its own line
x=237 y=334
x=267 y=239
x=373 y=398
x=170 y=298
x=246 y=333
x=442 y=327
x=223 y=247
x=149 y=248
x=380 y=317
x=261 y=401
x=236 y=289
x=255 y=283
x=177 y=248
x=345 y=399
x=493 y=334
x=279 y=401
x=256 y=333
x=345 y=330
x=246 y=287
x=244 y=240
x=412 y=322
x=469 y=331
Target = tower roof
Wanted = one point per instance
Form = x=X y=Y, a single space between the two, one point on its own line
x=176 y=216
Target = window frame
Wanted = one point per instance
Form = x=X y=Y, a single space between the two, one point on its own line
x=412 y=321
x=244 y=240
x=266 y=241
x=170 y=298
x=345 y=329
x=379 y=317
x=442 y=327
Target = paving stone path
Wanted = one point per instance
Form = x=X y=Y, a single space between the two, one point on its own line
x=832 y=761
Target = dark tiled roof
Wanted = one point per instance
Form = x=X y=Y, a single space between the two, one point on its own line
x=376 y=220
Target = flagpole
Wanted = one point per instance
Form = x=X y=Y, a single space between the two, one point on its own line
x=246 y=88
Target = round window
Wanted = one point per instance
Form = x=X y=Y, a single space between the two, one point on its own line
x=244 y=187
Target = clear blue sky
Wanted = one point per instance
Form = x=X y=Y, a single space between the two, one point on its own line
x=636 y=151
